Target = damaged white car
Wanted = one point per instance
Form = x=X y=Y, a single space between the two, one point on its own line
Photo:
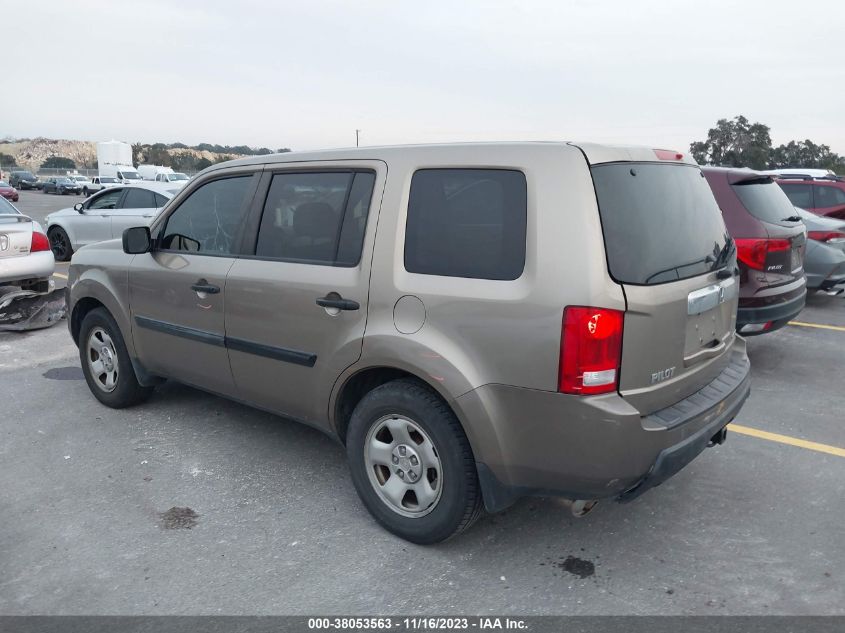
x=25 y=256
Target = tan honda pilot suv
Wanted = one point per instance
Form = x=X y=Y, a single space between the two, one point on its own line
x=474 y=322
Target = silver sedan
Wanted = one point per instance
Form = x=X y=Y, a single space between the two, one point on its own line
x=25 y=256
x=105 y=215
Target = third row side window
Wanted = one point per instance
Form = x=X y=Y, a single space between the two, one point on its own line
x=467 y=223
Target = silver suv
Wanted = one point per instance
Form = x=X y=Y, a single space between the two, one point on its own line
x=474 y=322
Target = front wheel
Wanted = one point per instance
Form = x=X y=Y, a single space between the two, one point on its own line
x=412 y=464
x=106 y=364
x=60 y=244
x=85 y=192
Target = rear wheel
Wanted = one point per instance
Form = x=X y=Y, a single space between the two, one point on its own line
x=411 y=463
x=85 y=192
x=60 y=244
x=106 y=364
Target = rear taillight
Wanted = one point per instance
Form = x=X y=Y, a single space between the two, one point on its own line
x=752 y=251
x=39 y=243
x=826 y=236
x=590 y=350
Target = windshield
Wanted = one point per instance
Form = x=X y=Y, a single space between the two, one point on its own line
x=765 y=200
x=660 y=222
x=65 y=181
x=178 y=177
x=24 y=174
x=106 y=179
x=3 y=183
x=131 y=175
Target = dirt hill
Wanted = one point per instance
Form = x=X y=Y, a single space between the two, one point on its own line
x=31 y=153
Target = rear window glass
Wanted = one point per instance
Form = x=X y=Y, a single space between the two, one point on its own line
x=765 y=200
x=467 y=223
x=660 y=222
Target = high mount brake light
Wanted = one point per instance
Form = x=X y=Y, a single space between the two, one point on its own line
x=668 y=154
x=590 y=350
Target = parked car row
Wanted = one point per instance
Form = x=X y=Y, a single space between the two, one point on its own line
x=528 y=319
x=23 y=180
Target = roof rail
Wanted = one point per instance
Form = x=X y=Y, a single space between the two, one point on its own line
x=808 y=177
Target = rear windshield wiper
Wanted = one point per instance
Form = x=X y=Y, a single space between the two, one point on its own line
x=722 y=257
x=791 y=218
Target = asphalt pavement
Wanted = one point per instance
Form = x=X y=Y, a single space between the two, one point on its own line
x=191 y=504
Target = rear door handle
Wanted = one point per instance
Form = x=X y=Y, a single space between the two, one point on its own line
x=338 y=302
x=203 y=286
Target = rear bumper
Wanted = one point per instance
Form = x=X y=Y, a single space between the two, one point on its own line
x=544 y=443
x=778 y=313
x=32 y=267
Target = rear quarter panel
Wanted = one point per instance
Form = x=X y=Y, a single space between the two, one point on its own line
x=479 y=331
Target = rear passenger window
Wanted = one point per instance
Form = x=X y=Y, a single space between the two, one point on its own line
x=138 y=199
x=827 y=196
x=467 y=223
x=316 y=218
x=799 y=195
x=209 y=220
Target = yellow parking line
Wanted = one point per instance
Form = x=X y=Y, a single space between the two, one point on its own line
x=62 y=275
x=786 y=439
x=838 y=328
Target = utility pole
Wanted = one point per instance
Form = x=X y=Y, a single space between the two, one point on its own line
x=356 y=137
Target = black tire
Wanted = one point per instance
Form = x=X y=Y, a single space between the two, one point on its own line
x=460 y=502
x=60 y=244
x=85 y=192
x=44 y=190
x=127 y=392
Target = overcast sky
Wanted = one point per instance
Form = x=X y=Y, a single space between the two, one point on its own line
x=306 y=74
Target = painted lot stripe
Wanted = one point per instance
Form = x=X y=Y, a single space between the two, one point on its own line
x=62 y=275
x=786 y=439
x=838 y=328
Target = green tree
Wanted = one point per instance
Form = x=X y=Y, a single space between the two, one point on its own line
x=735 y=143
x=202 y=163
x=807 y=154
x=58 y=162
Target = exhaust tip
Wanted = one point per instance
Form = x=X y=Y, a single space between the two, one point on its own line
x=582 y=507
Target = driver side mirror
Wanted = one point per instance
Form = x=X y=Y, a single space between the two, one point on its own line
x=136 y=240
x=79 y=208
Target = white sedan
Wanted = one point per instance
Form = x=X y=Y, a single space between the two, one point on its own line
x=105 y=215
x=25 y=257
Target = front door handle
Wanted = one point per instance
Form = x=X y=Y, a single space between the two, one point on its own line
x=336 y=301
x=203 y=286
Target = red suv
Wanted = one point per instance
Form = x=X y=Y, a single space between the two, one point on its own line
x=821 y=195
x=770 y=240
